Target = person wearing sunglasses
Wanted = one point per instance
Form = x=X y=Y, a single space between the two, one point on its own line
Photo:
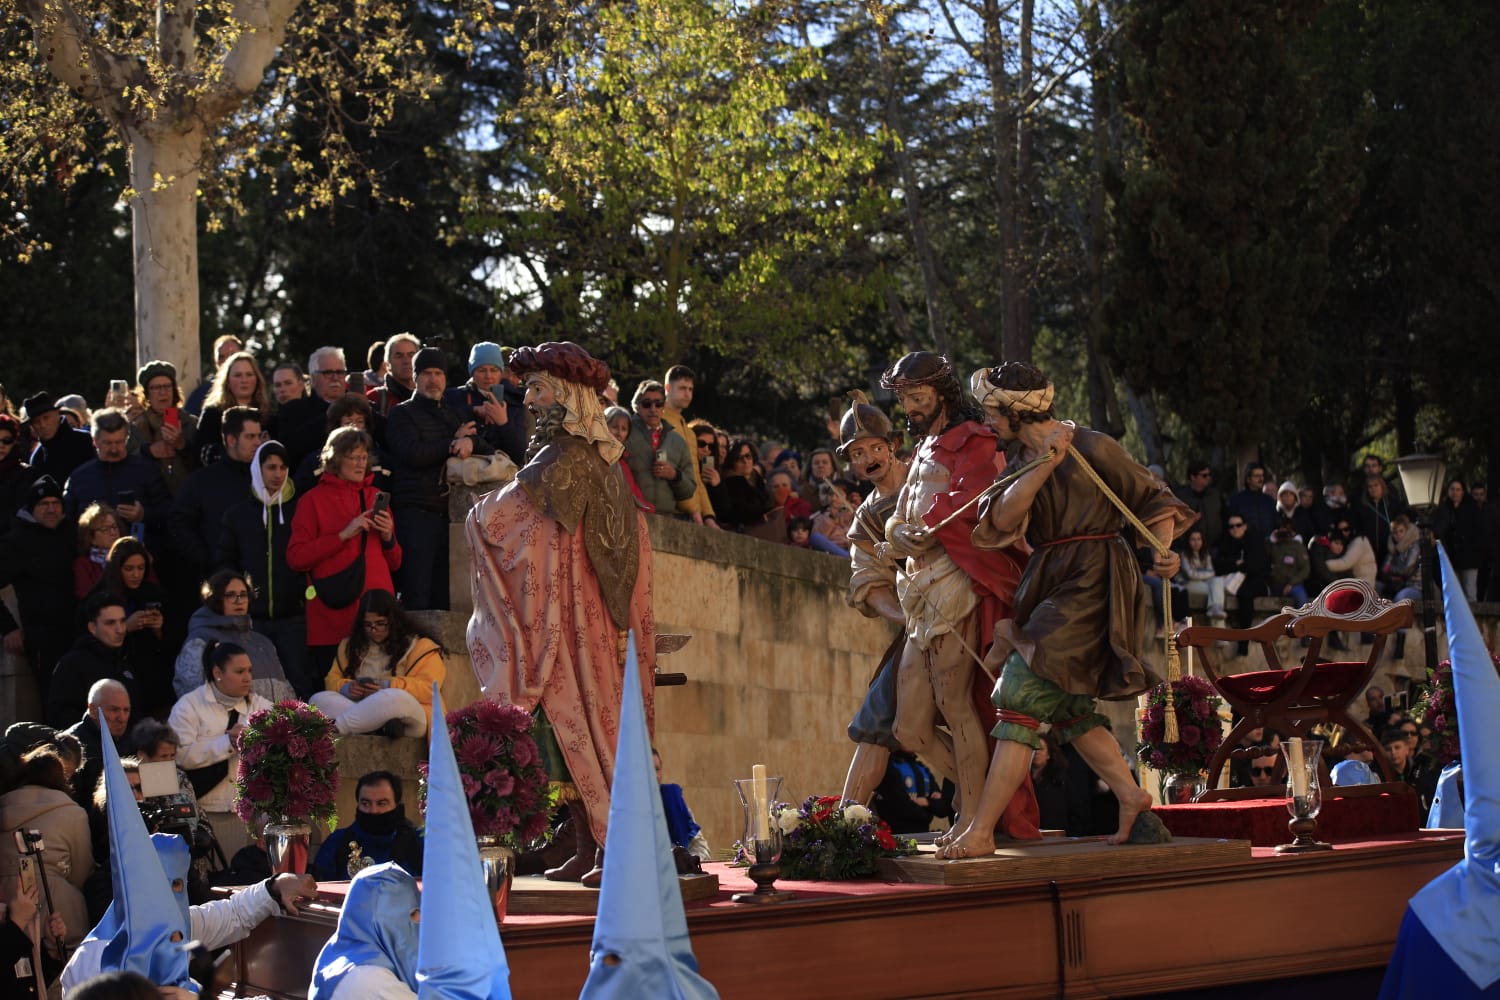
x=1244 y=550
x=660 y=459
x=1263 y=772
x=16 y=476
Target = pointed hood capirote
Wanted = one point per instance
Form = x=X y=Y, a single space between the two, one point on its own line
x=641 y=946
x=459 y=955
x=1449 y=943
x=145 y=929
x=375 y=928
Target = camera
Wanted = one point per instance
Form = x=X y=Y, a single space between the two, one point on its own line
x=169 y=814
x=164 y=807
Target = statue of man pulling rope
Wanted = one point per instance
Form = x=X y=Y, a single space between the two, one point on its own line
x=1081 y=612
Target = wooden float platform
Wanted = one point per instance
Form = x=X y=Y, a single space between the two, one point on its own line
x=1244 y=917
x=532 y=895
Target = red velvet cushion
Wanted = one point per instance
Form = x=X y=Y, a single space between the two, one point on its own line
x=1263 y=821
x=1263 y=686
x=1344 y=601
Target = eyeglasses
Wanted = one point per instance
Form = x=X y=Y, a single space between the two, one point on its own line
x=7 y=440
x=377 y=625
x=1262 y=772
x=1236 y=524
x=651 y=404
x=236 y=595
x=338 y=372
x=705 y=444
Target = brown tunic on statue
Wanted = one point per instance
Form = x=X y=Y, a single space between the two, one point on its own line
x=1082 y=613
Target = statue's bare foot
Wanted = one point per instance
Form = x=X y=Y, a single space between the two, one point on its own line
x=972 y=843
x=1131 y=806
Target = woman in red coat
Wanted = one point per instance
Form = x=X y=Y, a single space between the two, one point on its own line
x=331 y=524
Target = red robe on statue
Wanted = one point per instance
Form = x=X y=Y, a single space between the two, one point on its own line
x=970 y=452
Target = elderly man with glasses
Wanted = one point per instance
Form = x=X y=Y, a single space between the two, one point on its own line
x=660 y=459
x=300 y=423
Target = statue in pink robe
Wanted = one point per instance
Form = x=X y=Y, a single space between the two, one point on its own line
x=561 y=572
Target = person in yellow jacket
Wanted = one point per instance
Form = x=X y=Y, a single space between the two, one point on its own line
x=679 y=382
x=382 y=675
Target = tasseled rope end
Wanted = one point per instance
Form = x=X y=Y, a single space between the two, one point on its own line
x=1169 y=713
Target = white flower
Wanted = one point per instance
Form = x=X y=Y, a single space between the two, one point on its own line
x=788 y=820
x=856 y=814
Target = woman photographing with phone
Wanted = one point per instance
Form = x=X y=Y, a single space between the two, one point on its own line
x=343 y=540
x=382 y=675
x=494 y=404
x=166 y=432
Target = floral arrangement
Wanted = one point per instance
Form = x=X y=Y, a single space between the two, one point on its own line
x=1439 y=710
x=829 y=839
x=502 y=772
x=286 y=765
x=1198 y=729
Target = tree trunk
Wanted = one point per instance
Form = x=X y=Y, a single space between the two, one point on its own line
x=911 y=200
x=1104 y=406
x=1145 y=422
x=1003 y=139
x=1022 y=260
x=164 y=230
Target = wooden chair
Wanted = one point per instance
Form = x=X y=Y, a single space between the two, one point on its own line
x=1293 y=701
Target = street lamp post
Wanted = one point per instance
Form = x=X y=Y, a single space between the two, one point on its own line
x=1422 y=477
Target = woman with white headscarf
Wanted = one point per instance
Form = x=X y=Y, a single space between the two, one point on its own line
x=254 y=541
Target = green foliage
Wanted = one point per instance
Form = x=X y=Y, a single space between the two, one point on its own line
x=1227 y=210
x=681 y=195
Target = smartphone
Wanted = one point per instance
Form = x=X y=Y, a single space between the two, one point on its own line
x=171 y=416
x=151 y=606
x=125 y=497
x=26 y=866
x=118 y=389
x=708 y=462
x=661 y=457
x=382 y=502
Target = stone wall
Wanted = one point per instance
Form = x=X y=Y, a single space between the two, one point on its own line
x=776 y=667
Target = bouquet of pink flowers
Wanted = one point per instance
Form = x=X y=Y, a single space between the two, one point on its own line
x=502 y=772
x=286 y=765
x=1439 y=710
x=1198 y=730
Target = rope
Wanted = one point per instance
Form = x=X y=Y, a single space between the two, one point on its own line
x=992 y=489
x=1174 y=667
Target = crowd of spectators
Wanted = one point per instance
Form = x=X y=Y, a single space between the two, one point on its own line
x=1289 y=541
x=177 y=564
x=180 y=563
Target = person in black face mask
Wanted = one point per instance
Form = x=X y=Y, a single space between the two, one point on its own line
x=380 y=829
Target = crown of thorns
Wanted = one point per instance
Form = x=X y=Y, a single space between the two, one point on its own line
x=893 y=379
